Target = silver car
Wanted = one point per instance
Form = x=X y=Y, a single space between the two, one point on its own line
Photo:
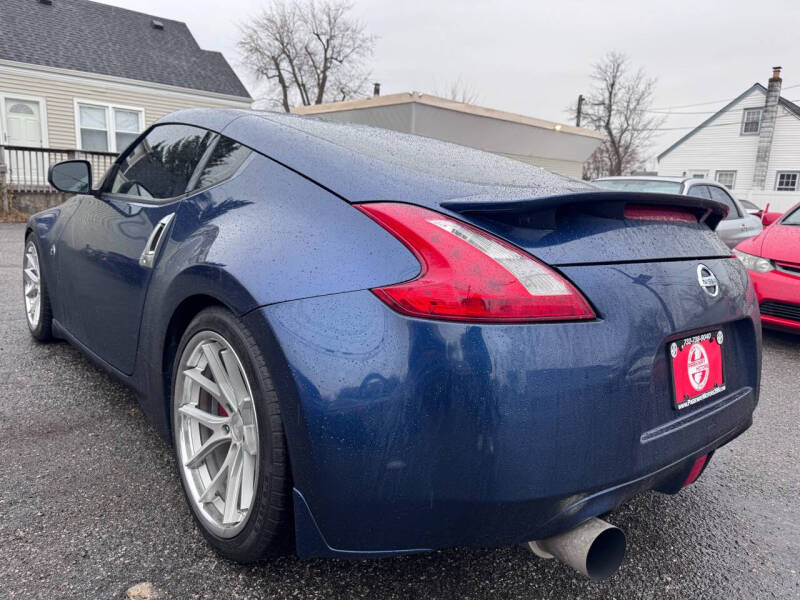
x=739 y=225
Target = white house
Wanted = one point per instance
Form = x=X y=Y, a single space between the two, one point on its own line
x=83 y=79
x=557 y=147
x=752 y=146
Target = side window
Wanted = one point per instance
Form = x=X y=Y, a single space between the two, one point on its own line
x=699 y=191
x=226 y=157
x=720 y=195
x=161 y=165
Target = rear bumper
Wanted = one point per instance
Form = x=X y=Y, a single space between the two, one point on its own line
x=503 y=523
x=407 y=435
x=779 y=291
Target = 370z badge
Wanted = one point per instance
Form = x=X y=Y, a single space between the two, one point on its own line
x=697 y=368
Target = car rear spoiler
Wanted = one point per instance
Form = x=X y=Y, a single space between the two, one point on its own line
x=541 y=212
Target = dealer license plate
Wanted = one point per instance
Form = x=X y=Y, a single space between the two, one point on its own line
x=697 y=368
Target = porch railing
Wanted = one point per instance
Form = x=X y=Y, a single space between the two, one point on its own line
x=25 y=169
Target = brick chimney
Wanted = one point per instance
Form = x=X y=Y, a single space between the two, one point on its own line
x=376 y=89
x=768 y=116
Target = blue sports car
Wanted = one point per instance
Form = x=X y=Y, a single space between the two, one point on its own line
x=366 y=343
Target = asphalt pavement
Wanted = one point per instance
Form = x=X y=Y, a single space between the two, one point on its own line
x=91 y=505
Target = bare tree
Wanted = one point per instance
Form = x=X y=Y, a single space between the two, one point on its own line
x=458 y=90
x=308 y=51
x=618 y=105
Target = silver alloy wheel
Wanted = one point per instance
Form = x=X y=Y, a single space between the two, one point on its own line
x=32 y=287
x=217 y=433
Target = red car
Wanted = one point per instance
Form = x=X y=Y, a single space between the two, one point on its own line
x=773 y=260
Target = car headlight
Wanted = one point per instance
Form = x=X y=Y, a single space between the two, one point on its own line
x=754 y=263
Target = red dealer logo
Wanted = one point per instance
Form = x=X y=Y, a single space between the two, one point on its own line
x=697 y=366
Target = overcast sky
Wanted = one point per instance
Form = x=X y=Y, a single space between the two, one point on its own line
x=533 y=57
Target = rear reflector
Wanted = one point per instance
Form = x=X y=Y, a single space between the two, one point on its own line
x=468 y=274
x=697 y=468
x=671 y=214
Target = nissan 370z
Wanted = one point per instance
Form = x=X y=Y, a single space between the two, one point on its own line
x=365 y=343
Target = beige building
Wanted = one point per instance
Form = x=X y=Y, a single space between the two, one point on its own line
x=554 y=146
x=79 y=78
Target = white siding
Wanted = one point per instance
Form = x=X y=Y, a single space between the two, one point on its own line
x=570 y=168
x=501 y=136
x=397 y=117
x=785 y=154
x=564 y=151
x=720 y=147
x=60 y=92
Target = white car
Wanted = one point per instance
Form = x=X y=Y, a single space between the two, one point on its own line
x=739 y=225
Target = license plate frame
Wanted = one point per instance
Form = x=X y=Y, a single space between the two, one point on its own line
x=696 y=368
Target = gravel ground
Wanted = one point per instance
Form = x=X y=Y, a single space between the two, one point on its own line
x=91 y=505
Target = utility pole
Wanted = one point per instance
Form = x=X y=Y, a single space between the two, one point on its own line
x=580 y=108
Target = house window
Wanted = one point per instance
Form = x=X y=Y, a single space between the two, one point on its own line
x=126 y=127
x=726 y=178
x=107 y=128
x=751 y=121
x=697 y=174
x=20 y=109
x=786 y=181
x=94 y=128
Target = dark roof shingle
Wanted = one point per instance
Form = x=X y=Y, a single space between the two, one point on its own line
x=98 y=38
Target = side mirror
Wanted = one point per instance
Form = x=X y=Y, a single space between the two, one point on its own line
x=71 y=176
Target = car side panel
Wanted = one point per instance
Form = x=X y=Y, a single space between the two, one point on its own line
x=734 y=231
x=105 y=285
x=266 y=236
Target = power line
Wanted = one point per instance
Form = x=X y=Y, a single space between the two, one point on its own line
x=699 y=112
x=737 y=122
x=695 y=104
x=788 y=87
x=672 y=113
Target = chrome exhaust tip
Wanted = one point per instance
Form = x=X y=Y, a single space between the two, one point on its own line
x=594 y=548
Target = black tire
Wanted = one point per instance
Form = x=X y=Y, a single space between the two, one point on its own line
x=43 y=330
x=268 y=528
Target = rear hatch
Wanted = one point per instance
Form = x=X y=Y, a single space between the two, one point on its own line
x=603 y=227
x=636 y=258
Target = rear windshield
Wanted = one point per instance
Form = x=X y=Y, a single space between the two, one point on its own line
x=748 y=205
x=793 y=218
x=640 y=185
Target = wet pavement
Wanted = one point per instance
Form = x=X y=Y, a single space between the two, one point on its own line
x=90 y=503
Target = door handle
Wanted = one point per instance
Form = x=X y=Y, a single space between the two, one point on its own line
x=154 y=242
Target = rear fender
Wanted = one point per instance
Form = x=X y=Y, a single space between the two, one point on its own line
x=210 y=285
x=47 y=227
x=283 y=237
x=264 y=237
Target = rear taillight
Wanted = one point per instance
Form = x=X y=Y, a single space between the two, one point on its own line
x=470 y=275
x=671 y=214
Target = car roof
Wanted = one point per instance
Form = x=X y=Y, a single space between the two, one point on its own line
x=362 y=163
